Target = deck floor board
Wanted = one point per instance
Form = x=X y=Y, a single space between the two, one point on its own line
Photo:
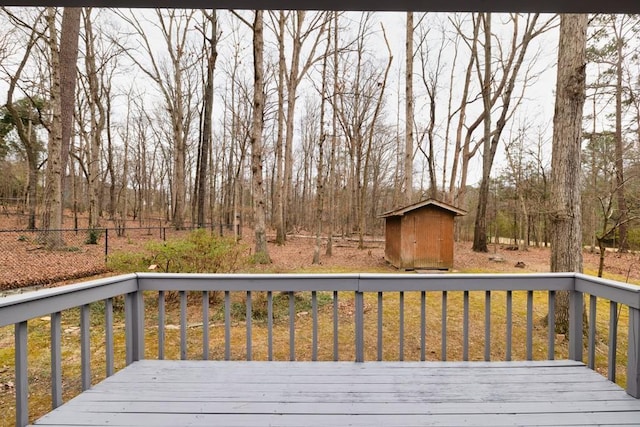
x=208 y=393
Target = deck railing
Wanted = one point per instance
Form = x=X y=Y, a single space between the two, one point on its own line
x=357 y=306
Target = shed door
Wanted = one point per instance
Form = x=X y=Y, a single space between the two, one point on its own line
x=428 y=240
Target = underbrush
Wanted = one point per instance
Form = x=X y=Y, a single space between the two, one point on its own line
x=200 y=252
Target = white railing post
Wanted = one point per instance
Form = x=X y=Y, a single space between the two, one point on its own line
x=633 y=354
x=576 y=312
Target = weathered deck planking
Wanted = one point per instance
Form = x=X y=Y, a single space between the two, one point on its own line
x=206 y=393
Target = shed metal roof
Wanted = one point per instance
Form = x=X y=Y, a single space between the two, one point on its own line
x=423 y=203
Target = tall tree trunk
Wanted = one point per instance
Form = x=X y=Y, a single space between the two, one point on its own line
x=52 y=215
x=565 y=199
x=180 y=150
x=279 y=187
x=261 y=251
x=408 y=150
x=623 y=244
x=97 y=122
x=207 y=126
x=69 y=36
x=480 y=230
x=334 y=141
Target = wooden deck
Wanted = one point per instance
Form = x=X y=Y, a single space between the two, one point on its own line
x=206 y=393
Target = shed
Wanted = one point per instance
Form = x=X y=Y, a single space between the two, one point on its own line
x=420 y=236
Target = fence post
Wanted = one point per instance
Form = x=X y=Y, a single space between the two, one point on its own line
x=359 y=326
x=633 y=354
x=106 y=244
x=576 y=312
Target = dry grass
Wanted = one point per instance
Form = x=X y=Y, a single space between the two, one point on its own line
x=39 y=351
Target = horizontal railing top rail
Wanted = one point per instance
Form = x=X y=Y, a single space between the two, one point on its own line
x=29 y=305
x=367 y=300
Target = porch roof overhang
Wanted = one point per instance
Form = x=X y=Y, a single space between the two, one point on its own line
x=542 y=6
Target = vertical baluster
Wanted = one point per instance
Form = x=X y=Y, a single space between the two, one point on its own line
x=85 y=353
x=183 y=325
x=423 y=326
x=529 y=325
x=314 y=316
x=138 y=310
x=270 y=325
x=56 y=360
x=487 y=326
x=128 y=329
x=249 y=326
x=465 y=326
x=161 y=322
x=108 y=336
x=613 y=341
x=21 y=374
x=359 y=335
x=380 y=326
x=205 y=325
x=551 y=321
x=443 y=331
x=401 y=321
x=335 y=326
x=591 y=350
x=509 y=314
x=227 y=325
x=292 y=327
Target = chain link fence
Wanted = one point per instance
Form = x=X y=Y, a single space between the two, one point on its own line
x=27 y=258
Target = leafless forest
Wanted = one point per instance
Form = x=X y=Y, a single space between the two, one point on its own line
x=289 y=121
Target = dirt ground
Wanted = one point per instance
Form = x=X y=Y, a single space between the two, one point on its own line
x=298 y=252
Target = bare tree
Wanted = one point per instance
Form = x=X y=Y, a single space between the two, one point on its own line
x=97 y=121
x=257 y=124
x=52 y=214
x=491 y=137
x=172 y=81
x=610 y=49
x=432 y=67
x=202 y=168
x=26 y=114
x=408 y=133
x=303 y=31
x=359 y=105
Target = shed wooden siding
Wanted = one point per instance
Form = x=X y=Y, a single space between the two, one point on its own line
x=393 y=240
x=420 y=237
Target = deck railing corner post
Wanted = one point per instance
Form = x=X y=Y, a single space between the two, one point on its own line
x=633 y=356
x=134 y=326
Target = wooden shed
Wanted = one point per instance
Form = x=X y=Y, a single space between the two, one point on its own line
x=420 y=236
